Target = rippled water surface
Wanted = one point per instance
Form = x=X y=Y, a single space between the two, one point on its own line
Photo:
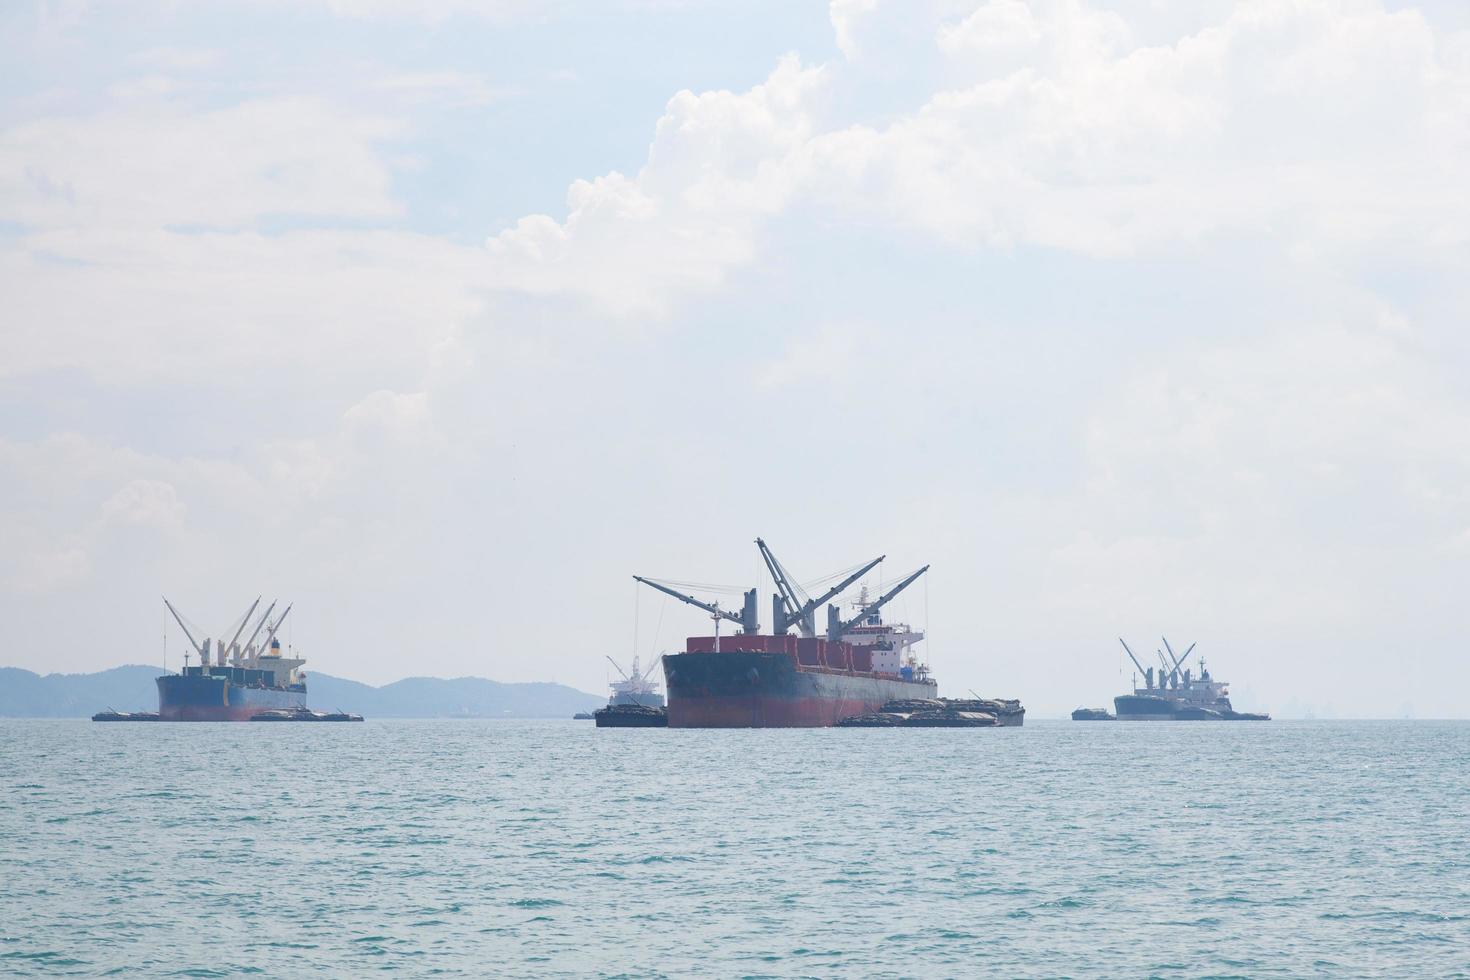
x=520 y=848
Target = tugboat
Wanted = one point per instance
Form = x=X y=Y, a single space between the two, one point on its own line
x=1175 y=694
x=635 y=701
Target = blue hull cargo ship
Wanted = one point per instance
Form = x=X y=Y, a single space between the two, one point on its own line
x=234 y=682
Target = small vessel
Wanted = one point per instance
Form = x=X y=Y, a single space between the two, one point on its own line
x=110 y=715
x=635 y=701
x=1092 y=714
x=801 y=680
x=582 y=716
x=1176 y=694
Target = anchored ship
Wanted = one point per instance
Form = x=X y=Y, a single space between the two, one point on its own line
x=234 y=681
x=783 y=680
x=637 y=686
x=1176 y=694
x=635 y=701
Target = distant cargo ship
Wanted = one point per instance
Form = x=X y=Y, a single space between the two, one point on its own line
x=234 y=681
x=1177 y=695
x=635 y=701
x=637 y=686
x=781 y=680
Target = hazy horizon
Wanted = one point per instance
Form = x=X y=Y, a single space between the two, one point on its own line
x=442 y=320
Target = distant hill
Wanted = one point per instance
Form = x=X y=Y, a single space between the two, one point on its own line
x=24 y=694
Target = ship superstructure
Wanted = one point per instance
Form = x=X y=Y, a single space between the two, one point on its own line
x=888 y=644
x=1175 y=693
x=637 y=686
x=234 y=681
x=783 y=679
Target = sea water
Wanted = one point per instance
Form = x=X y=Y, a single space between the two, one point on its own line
x=481 y=848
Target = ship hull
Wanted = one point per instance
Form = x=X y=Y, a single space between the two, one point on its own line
x=203 y=698
x=1147 y=707
x=741 y=689
x=620 y=716
x=1143 y=707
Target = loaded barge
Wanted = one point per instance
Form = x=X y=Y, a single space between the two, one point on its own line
x=784 y=680
x=635 y=701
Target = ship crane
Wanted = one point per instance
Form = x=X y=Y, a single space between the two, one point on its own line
x=270 y=633
x=244 y=621
x=264 y=618
x=746 y=617
x=201 y=649
x=636 y=675
x=1147 y=674
x=1178 y=661
x=791 y=606
x=836 y=627
x=1166 y=676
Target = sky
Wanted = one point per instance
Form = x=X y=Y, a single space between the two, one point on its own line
x=442 y=319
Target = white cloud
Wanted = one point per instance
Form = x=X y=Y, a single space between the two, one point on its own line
x=149 y=304
x=718 y=164
x=151 y=503
x=997 y=27
x=1325 y=124
x=403 y=418
x=166 y=164
x=178 y=59
x=826 y=356
x=460 y=89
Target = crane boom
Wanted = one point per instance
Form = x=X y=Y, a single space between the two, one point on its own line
x=1132 y=657
x=616 y=667
x=243 y=622
x=880 y=602
x=790 y=615
x=1178 y=661
x=180 y=620
x=809 y=611
x=264 y=618
x=746 y=618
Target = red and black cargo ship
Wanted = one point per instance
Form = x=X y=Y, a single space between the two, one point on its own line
x=780 y=682
x=786 y=680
